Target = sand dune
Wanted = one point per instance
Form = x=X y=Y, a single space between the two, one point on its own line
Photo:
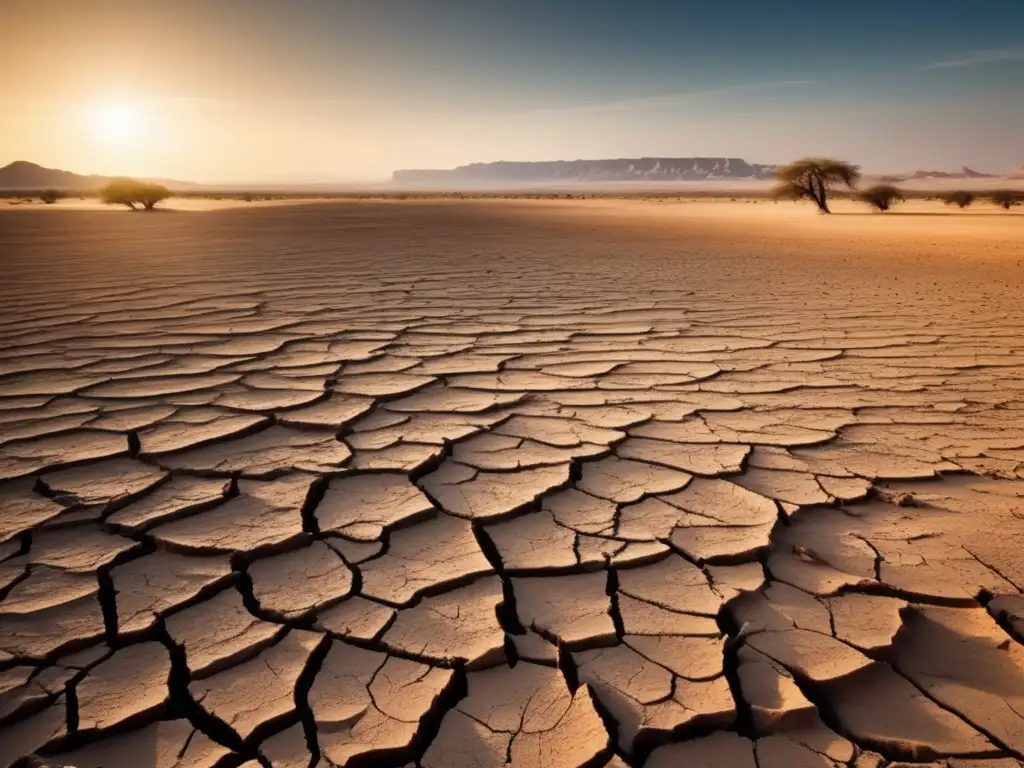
x=533 y=483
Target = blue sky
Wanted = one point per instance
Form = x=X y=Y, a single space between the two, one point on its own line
x=356 y=88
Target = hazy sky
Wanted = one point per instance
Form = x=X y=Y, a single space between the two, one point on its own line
x=288 y=90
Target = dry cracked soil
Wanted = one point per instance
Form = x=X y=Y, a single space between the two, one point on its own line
x=483 y=484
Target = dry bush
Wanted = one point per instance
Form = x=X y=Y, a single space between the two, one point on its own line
x=882 y=197
x=1007 y=198
x=961 y=198
x=51 y=196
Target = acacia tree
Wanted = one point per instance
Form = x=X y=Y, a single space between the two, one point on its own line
x=131 y=193
x=882 y=196
x=813 y=178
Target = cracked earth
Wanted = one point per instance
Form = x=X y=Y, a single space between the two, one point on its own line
x=482 y=486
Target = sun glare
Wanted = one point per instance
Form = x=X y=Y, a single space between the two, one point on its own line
x=116 y=121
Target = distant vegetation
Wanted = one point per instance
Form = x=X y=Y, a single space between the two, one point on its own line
x=881 y=197
x=813 y=178
x=817 y=178
x=961 y=198
x=820 y=180
x=1007 y=198
x=134 y=193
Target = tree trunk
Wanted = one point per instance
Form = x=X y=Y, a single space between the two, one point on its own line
x=821 y=197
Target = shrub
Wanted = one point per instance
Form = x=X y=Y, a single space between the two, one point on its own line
x=51 y=196
x=961 y=198
x=813 y=178
x=1007 y=198
x=131 y=193
x=882 y=196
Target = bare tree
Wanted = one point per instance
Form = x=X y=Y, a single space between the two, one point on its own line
x=882 y=196
x=961 y=198
x=1007 y=198
x=813 y=177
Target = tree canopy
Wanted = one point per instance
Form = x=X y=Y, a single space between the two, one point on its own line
x=130 y=192
x=813 y=177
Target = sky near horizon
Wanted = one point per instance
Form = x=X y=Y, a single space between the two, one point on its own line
x=350 y=90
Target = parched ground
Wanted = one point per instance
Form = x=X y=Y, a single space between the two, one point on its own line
x=543 y=484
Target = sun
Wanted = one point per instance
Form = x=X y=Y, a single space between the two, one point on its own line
x=116 y=121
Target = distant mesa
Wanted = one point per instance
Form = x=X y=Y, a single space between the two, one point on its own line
x=23 y=175
x=963 y=173
x=645 y=169
x=648 y=170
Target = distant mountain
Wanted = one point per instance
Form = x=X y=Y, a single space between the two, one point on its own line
x=969 y=174
x=1016 y=173
x=963 y=173
x=649 y=169
x=22 y=174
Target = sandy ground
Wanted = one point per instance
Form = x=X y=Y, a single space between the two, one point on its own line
x=533 y=483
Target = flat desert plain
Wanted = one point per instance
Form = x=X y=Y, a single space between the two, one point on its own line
x=548 y=484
